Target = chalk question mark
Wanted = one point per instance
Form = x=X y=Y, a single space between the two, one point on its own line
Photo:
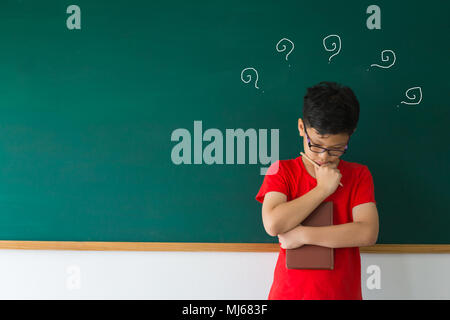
x=385 y=58
x=334 y=45
x=249 y=76
x=419 y=90
x=283 y=47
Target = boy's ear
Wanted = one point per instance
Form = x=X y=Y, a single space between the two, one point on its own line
x=301 y=126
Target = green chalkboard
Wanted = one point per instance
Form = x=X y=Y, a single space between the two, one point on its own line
x=93 y=97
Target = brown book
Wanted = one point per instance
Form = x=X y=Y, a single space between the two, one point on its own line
x=312 y=256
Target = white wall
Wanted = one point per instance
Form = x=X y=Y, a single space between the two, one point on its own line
x=45 y=274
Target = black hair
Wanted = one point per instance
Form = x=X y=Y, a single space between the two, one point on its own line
x=330 y=108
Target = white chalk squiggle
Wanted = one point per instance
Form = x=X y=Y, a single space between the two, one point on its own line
x=249 y=76
x=334 y=45
x=284 y=47
x=413 y=96
x=385 y=58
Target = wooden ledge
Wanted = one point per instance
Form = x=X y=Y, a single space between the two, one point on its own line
x=200 y=246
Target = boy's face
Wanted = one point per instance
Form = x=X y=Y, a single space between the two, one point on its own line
x=333 y=141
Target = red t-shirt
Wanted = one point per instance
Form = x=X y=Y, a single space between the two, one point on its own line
x=344 y=281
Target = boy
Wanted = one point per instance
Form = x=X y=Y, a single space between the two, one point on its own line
x=297 y=187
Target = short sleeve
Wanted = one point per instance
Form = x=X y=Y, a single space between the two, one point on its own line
x=364 y=190
x=274 y=180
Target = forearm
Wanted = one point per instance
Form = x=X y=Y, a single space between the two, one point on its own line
x=353 y=234
x=289 y=215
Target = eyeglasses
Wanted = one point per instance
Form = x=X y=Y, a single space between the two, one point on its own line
x=319 y=149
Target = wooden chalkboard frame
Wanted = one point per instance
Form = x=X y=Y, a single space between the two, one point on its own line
x=202 y=246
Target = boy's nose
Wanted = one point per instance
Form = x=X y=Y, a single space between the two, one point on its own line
x=323 y=157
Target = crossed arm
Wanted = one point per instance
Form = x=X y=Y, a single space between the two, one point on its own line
x=363 y=231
